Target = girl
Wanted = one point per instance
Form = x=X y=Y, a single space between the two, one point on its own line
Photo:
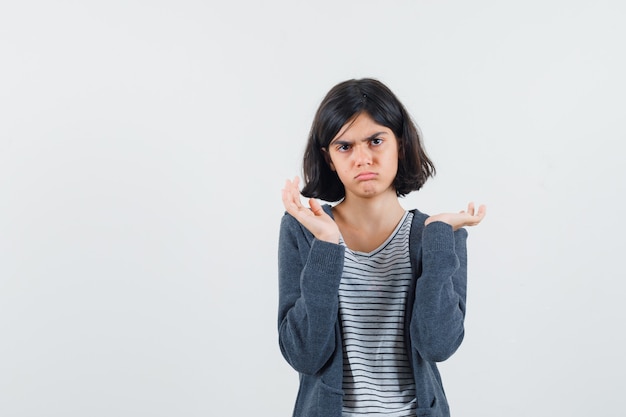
x=371 y=296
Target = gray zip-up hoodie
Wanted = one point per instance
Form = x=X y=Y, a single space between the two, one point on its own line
x=309 y=272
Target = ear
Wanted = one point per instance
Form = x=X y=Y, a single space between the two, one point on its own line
x=328 y=160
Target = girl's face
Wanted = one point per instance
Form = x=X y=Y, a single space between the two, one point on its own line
x=365 y=156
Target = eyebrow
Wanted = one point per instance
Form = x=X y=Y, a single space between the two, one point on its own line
x=347 y=142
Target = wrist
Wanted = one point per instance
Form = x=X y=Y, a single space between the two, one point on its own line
x=330 y=238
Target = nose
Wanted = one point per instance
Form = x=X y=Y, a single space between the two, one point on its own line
x=362 y=155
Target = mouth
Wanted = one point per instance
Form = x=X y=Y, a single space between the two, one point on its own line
x=365 y=176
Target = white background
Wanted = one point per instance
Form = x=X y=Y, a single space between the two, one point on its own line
x=143 y=146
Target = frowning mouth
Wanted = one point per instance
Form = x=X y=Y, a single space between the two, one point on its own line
x=364 y=176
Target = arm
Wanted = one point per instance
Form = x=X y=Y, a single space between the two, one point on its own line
x=437 y=325
x=309 y=273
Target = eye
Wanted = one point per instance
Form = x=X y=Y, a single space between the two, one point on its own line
x=344 y=147
x=376 y=141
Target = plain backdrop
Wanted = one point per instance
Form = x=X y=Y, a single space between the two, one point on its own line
x=143 y=146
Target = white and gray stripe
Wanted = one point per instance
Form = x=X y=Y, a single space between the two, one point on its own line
x=377 y=377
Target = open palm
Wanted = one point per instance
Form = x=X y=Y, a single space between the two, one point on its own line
x=314 y=218
x=469 y=217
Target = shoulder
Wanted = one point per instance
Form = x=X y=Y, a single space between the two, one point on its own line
x=292 y=235
x=418 y=216
x=328 y=209
x=289 y=226
x=417 y=226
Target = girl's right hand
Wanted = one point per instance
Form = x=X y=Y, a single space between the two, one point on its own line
x=315 y=218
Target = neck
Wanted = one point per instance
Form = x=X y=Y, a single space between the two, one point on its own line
x=367 y=213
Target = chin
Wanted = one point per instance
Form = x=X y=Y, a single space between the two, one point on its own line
x=370 y=192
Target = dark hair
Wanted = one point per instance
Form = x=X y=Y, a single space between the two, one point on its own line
x=343 y=103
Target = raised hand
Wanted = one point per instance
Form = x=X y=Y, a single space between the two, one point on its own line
x=461 y=219
x=314 y=218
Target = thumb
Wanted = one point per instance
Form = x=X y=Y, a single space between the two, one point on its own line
x=316 y=208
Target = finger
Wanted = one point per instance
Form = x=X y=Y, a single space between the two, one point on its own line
x=291 y=197
x=293 y=186
x=295 y=190
x=288 y=201
x=287 y=186
x=480 y=214
x=470 y=208
x=286 y=191
x=482 y=211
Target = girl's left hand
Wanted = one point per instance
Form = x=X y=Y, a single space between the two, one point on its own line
x=461 y=219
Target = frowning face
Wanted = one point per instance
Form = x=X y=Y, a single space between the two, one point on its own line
x=365 y=156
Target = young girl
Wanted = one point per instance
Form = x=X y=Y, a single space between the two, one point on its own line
x=371 y=296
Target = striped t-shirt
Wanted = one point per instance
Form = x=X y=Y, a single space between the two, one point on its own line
x=377 y=377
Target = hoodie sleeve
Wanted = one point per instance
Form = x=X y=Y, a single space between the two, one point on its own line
x=309 y=272
x=437 y=325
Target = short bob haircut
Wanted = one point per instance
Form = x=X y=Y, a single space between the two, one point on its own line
x=342 y=104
